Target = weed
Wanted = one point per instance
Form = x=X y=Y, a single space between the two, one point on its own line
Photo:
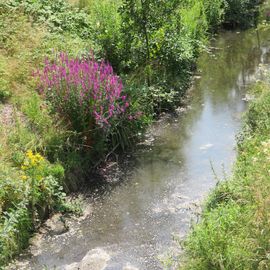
x=234 y=230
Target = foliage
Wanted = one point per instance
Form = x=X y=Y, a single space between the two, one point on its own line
x=214 y=11
x=26 y=124
x=105 y=21
x=241 y=13
x=144 y=33
x=86 y=92
x=194 y=20
x=28 y=193
x=4 y=86
x=234 y=230
x=58 y=16
x=163 y=38
x=152 y=44
x=14 y=232
x=89 y=96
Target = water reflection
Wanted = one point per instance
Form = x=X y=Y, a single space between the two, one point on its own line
x=134 y=222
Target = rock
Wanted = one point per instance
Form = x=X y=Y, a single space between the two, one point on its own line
x=95 y=259
x=130 y=267
x=87 y=211
x=16 y=265
x=56 y=225
x=73 y=266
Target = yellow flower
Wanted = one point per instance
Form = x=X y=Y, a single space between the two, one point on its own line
x=23 y=177
x=39 y=157
x=33 y=161
x=29 y=153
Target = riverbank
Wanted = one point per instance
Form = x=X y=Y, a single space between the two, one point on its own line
x=43 y=150
x=234 y=229
x=132 y=221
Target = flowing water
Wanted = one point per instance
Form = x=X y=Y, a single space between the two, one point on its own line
x=133 y=223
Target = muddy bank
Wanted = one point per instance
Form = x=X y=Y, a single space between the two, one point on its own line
x=131 y=224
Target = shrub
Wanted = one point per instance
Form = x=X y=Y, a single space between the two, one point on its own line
x=4 y=93
x=106 y=21
x=15 y=227
x=241 y=13
x=194 y=20
x=28 y=194
x=214 y=10
x=91 y=99
x=85 y=91
x=58 y=15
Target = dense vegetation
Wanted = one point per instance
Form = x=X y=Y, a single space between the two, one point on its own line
x=234 y=230
x=242 y=12
x=78 y=81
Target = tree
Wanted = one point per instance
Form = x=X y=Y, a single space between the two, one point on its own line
x=142 y=21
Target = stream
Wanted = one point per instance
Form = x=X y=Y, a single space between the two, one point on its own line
x=132 y=224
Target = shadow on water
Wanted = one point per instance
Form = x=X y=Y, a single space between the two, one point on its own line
x=133 y=222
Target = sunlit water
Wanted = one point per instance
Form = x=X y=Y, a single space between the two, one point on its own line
x=133 y=223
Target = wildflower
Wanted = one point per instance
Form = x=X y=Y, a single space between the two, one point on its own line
x=88 y=86
x=39 y=158
x=29 y=153
x=31 y=160
x=24 y=177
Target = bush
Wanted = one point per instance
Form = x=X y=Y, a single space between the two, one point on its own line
x=106 y=21
x=28 y=194
x=241 y=13
x=74 y=45
x=58 y=15
x=214 y=10
x=5 y=94
x=15 y=227
x=89 y=96
x=86 y=92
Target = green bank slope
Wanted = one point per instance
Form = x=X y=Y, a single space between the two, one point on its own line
x=234 y=231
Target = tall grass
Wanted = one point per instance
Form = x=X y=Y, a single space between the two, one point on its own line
x=34 y=138
x=234 y=230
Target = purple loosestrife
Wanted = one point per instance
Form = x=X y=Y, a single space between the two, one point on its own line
x=83 y=89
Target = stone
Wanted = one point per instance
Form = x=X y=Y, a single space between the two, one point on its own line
x=95 y=259
x=130 y=267
x=56 y=225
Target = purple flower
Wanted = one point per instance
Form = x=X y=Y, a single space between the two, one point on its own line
x=83 y=85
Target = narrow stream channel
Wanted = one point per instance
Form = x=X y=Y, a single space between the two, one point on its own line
x=133 y=223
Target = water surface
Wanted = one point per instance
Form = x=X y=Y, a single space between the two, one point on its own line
x=133 y=222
